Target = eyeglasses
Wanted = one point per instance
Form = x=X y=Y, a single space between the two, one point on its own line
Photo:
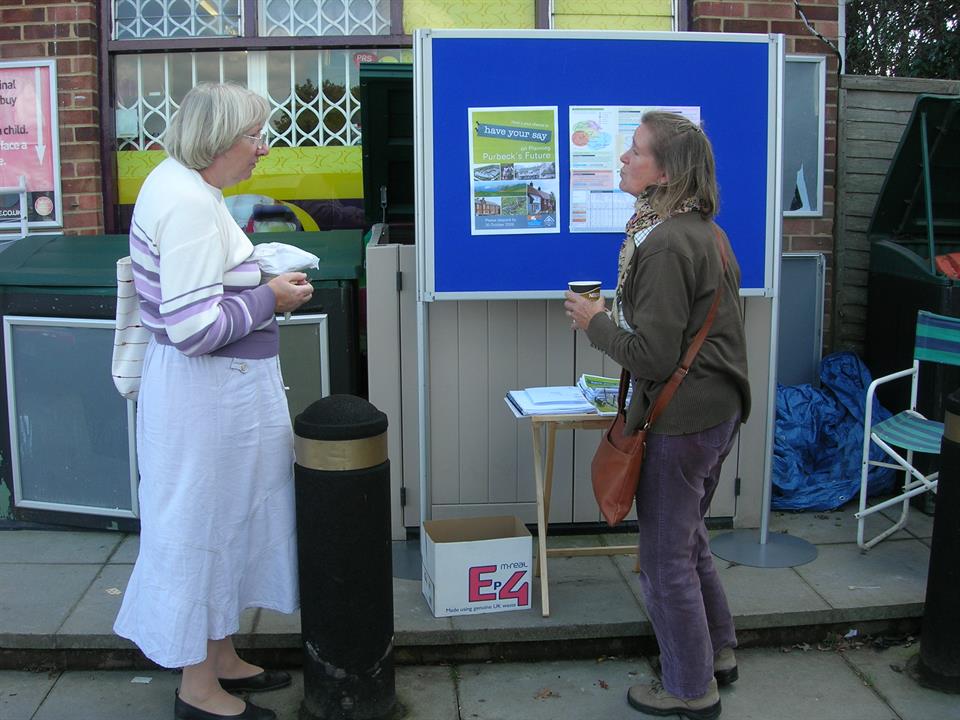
x=260 y=141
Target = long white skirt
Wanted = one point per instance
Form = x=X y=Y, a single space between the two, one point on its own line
x=218 y=533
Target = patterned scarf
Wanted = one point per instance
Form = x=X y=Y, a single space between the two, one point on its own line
x=644 y=217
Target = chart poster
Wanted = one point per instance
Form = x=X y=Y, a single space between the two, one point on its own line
x=29 y=146
x=514 y=179
x=598 y=137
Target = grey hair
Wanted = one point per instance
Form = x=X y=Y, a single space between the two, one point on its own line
x=211 y=118
x=684 y=153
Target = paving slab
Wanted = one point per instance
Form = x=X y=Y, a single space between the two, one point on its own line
x=90 y=624
x=892 y=573
x=753 y=593
x=574 y=583
x=412 y=620
x=428 y=692
x=830 y=527
x=284 y=702
x=767 y=592
x=585 y=541
x=919 y=524
x=406 y=559
x=22 y=692
x=35 y=600
x=111 y=695
x=128 y=550
x=884 y=670
x=48 y=546
x=550 y=690
x=799 y=686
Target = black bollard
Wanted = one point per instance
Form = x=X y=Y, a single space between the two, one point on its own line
x=345 y=559
x=939 y=663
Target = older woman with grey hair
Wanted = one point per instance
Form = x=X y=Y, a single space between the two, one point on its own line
x=214 y=441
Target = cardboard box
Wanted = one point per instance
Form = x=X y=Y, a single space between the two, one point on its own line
x=477 y=565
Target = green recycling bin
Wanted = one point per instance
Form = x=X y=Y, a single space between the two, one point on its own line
x=72 y=457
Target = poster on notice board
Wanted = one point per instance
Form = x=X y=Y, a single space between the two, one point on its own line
x=514 y=183
x=599 y=136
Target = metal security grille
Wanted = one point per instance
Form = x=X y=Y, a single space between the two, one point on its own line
x=312 y=96
x=311 y=93
x=324 y=17
x=150 y=87
x=135 y=19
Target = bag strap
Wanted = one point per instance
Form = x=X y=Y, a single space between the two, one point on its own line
x=666 y=395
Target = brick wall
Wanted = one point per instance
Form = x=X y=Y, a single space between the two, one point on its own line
x=67 y=31
x=780 y=16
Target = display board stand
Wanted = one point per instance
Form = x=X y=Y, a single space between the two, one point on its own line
x=472 y=85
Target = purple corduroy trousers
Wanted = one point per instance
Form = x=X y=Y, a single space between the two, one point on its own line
x=681 y=589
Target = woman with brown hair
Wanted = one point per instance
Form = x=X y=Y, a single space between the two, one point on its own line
x=671 y=263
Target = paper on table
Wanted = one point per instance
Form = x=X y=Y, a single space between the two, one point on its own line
x=575 y=403
x=559 y=394
x=602 y=392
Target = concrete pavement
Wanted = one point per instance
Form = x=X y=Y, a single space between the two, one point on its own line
x=59 y=660
x=852 y=683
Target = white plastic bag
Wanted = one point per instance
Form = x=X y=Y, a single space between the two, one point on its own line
x=275 y=258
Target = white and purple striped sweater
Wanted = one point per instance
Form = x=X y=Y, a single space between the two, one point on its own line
x=198 y=289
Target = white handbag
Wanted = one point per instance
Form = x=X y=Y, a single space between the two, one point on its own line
x=130 y=337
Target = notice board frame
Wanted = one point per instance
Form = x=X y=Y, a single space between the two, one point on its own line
x=736 y=80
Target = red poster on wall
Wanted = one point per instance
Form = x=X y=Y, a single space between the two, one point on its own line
x=29 y=147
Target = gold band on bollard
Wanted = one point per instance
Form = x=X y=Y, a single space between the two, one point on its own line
x=340 y=454
x=951 y=427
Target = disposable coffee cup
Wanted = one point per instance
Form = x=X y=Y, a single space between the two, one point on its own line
x=588 y=288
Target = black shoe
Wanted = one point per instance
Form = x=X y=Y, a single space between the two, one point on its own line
x=261 y=682
x=185 y=711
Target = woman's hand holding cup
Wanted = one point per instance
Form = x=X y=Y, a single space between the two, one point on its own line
x=583 y=301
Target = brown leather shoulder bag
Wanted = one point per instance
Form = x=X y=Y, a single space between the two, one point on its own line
x=615 y=470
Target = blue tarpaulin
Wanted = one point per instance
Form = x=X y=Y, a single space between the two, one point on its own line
x=818 y=440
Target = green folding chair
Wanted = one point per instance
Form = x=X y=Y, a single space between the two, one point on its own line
x=907 y=432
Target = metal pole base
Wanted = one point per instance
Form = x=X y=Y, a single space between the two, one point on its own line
x=780 y=550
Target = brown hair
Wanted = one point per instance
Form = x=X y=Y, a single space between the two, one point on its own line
x=684 y=154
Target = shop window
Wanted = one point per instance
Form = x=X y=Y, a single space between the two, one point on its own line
x=312 y=93
x=313 y=172
x=144 y=19
x=804 y=93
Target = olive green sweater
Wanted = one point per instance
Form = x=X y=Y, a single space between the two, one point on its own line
x=667 y=293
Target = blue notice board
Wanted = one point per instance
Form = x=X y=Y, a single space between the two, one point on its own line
x=733 y=79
